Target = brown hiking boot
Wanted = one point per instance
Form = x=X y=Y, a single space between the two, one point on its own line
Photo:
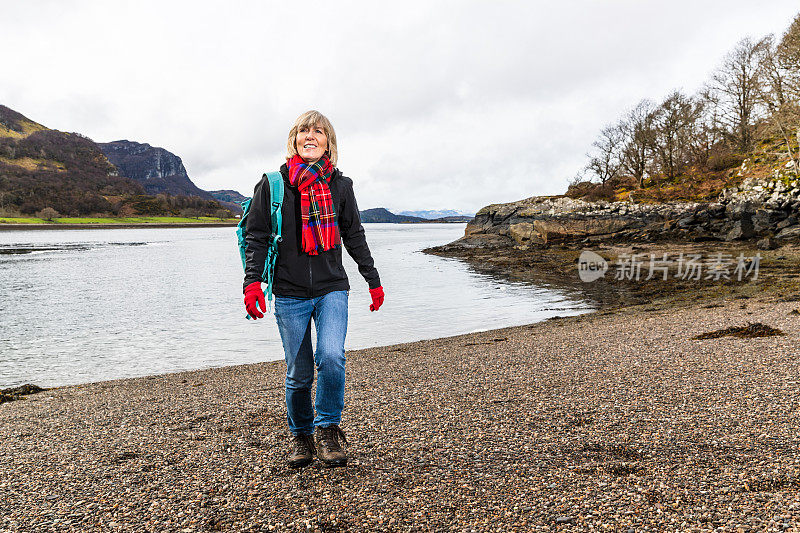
x=329 y=450
x=302 y=451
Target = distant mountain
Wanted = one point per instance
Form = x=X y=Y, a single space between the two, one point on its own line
x=230 y=199
x=440 y=213
x=379 y=214
x=158 y=170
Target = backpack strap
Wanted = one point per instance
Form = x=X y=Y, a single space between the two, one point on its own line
x=276 y=222
x=276 y=200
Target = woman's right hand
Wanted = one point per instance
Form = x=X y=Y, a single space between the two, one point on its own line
x=254 y=295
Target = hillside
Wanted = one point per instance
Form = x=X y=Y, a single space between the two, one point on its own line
x=68 y=172
x=697 y=183
x=40 y=167
x=229 y=199
x=228 y=195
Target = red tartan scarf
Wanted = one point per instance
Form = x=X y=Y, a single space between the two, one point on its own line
x=317 y=215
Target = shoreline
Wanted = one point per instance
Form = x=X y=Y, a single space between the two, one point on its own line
x=778 y=272
x=127 y=225
x=12 y=227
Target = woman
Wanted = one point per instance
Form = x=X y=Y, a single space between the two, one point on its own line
x=319 y=214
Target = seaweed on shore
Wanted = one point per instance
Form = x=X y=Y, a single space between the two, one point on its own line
x=750 y=331
x=15 y=393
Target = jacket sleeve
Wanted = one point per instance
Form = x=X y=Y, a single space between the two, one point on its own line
x=354 y=239
x=257 y=232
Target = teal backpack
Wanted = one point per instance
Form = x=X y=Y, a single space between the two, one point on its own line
x=276 y=199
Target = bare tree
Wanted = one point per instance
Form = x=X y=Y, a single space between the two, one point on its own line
x=788 y=51
x=637 y=127
x=604 y=162
x=708 y=132
x=674 y=125
x=736 y=86
x=779 y=92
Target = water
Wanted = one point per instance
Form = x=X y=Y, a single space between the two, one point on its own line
x=79 y=306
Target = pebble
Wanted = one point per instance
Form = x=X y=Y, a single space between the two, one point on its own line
x=618 y=421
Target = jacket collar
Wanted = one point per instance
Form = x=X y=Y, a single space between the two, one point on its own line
x=285 y=172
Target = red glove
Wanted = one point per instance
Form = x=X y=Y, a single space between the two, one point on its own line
x=252 y=295
x=377 y=298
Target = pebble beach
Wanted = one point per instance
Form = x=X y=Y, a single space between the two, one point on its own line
x=615 y=421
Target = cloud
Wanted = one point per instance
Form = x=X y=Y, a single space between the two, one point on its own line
x=436 y=104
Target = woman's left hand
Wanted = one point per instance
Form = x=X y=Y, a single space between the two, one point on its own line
x=377 y=298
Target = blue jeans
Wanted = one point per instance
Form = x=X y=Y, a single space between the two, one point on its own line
x=294 y=315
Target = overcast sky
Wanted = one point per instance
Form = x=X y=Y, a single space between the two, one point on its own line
x=435 y=104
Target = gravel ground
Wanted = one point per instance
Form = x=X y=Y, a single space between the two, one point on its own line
x=615 y=421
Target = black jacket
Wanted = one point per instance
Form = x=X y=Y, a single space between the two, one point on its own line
x=298 y=274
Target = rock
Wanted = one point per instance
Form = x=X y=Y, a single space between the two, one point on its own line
x=522 y=233
x=565 y=520
x=483 y=241
x=765 y=219
x=716 y=210
x=741 y=213
x=741 y=229
x=791 y=232
x=737 y=210
x=790 y=221
x=767 y=243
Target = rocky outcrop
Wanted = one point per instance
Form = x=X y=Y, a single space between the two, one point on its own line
x=763 y=209
x=157 y=169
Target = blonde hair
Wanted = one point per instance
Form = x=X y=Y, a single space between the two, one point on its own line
x=309 y=119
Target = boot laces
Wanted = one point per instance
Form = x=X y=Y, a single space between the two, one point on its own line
x=304 y=444
x=330 y=435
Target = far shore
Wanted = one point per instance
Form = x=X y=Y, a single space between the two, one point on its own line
x=10 y=224
x=127 y=225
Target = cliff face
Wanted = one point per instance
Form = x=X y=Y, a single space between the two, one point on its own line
x=763 y=209
x=158 y=170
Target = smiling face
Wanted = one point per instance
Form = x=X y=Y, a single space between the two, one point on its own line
x=311 y=142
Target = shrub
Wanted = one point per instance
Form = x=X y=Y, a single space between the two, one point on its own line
x=719 y=162
x=48 y=213
x=580 y=189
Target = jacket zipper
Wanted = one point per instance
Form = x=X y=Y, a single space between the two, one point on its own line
x=310 y=278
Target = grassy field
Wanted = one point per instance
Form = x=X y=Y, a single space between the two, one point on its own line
x=116 y=220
